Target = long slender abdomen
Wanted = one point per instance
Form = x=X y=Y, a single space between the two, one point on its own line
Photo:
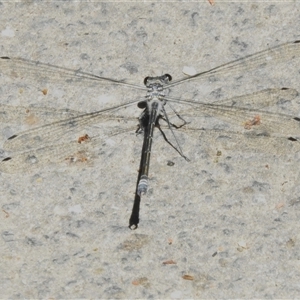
x=143 y=185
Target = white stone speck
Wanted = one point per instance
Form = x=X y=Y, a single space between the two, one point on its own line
x=8 y=32
x=189 y=71
x=75 y=209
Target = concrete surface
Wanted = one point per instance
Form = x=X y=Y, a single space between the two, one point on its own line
x=215 y=227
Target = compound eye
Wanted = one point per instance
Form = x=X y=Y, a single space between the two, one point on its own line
x=145 y=80
x=169 y=77
x=142 y=104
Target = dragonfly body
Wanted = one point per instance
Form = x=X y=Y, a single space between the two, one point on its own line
x=154 y=108
x=38 y=142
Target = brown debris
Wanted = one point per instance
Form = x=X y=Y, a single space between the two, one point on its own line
x=45 y=91
x=31 y=119
x=6 y=213
x=279 y=205
x=141 y=281
x=188 y=277
x=255 y=121
x=80 y=156
x=169 y=262
x=83 y=138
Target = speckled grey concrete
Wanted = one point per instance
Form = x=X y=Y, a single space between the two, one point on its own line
x=230 y=222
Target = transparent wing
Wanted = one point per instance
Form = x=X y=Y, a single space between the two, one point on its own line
x=265 y=98
x=281 y=53
x=79 y=152
x=64 y=129
x=59 y=139
x=253 y=128
x=58 y=142
x=33 y=115
x=262 y=99
x=19 y=67
x=46 y=144
x=246 y=119
x=214 y=140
